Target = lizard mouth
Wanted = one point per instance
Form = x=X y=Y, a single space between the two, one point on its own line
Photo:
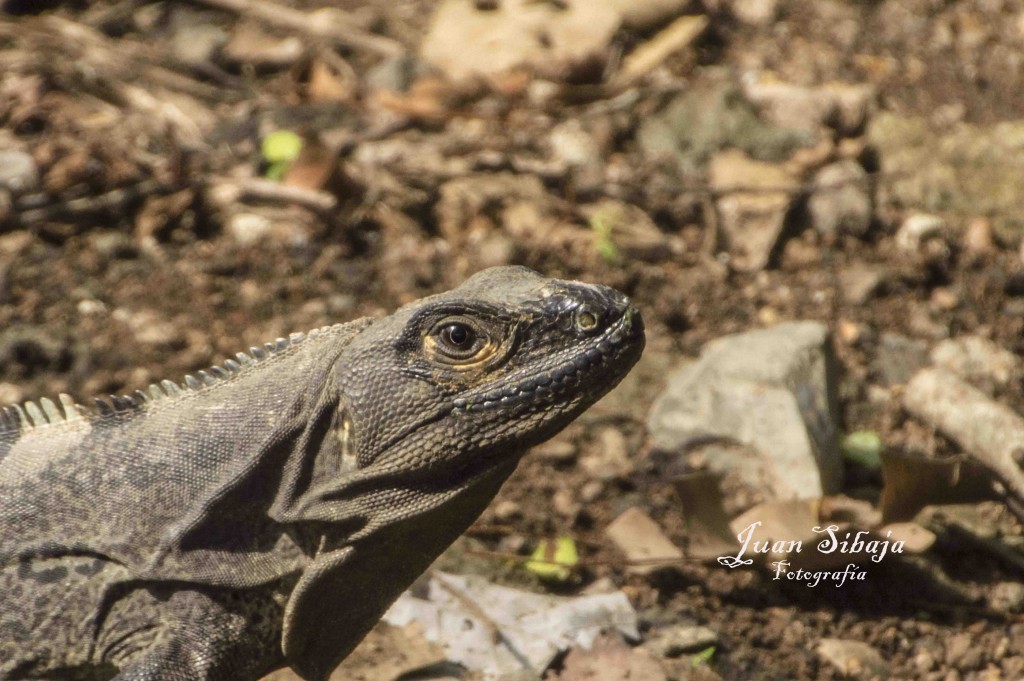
x=601 y=357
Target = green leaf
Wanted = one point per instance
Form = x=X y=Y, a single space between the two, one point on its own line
x=703 y=657
x=554 y=559
x=864 y=448
x=281 y=146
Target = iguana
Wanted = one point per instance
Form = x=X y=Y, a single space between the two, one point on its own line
x=266 y=512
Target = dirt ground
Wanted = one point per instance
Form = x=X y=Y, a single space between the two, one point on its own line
x=141 y=239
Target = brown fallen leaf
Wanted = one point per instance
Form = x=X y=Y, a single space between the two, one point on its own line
x=913 y=481
x=707 y=524
x=641 y=540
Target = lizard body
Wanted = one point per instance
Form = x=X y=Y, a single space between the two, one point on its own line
x=267 y=512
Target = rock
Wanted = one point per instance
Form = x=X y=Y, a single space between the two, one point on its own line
x=754 y=12
x=249 y=44
x=149 y=328
x=556 y=451
x=772 y=390
x=1006 y=597
x=395 y=74
x=753 y=202
x=944 y=299
x=196 y=41
x=680 y=639
x=917 y=229
x=791 y=106
x=248 y=228
x=611 y=459
x=711 y=116
x=18 y=171
x=898 y=358
x=978 y=241
x=576 y=150
x=853 y=659
x=10 y=393
x=964 y=170
x=957 y=647
x=466 y=41
x=854 y=105
x=565 y=504
x=841 y=202
x=978 y=361
x=859 y=282
x=640 y=539
x=610 y=659
x=507 y=510
x=278 y=227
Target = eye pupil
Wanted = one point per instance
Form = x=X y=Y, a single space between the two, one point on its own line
x=457 y=335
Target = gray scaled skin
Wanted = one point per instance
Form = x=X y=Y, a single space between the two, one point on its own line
x=267 y=512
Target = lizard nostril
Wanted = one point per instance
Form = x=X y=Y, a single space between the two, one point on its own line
x=587 y=319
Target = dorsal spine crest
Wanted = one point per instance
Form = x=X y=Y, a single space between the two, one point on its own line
x=28 y=416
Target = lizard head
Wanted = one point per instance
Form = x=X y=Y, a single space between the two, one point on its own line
x=434 y=406
x=490 y=368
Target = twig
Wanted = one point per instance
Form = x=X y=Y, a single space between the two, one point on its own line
x=329 y=23
x=228 y=190
x=24 y=212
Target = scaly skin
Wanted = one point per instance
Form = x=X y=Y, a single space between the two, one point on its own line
x=269 y=514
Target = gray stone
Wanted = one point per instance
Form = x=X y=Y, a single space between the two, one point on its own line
x=711 y=116
x=899 y=358
x=841 y=202
x=772 y=390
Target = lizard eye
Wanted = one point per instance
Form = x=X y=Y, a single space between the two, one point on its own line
x=458 y=340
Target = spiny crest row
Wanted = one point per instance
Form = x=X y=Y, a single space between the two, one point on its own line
x=17 y=418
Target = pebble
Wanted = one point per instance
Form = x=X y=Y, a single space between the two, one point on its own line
x=860 y=282
x=917 y=229
x=978 y=240
x=677 y=640
x=899 y=358
x=853 y=658
x=841 y=203
x=507 y=510
x=611 y=459
x=556 y=451
x=18 y=171
x=640 y=539
x=754 y=200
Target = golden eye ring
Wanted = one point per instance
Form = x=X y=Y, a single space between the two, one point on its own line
x=459 y=341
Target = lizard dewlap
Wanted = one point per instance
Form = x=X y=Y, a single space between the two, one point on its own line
x=266 y=512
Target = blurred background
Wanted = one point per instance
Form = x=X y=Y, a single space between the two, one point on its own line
x=816 y=205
